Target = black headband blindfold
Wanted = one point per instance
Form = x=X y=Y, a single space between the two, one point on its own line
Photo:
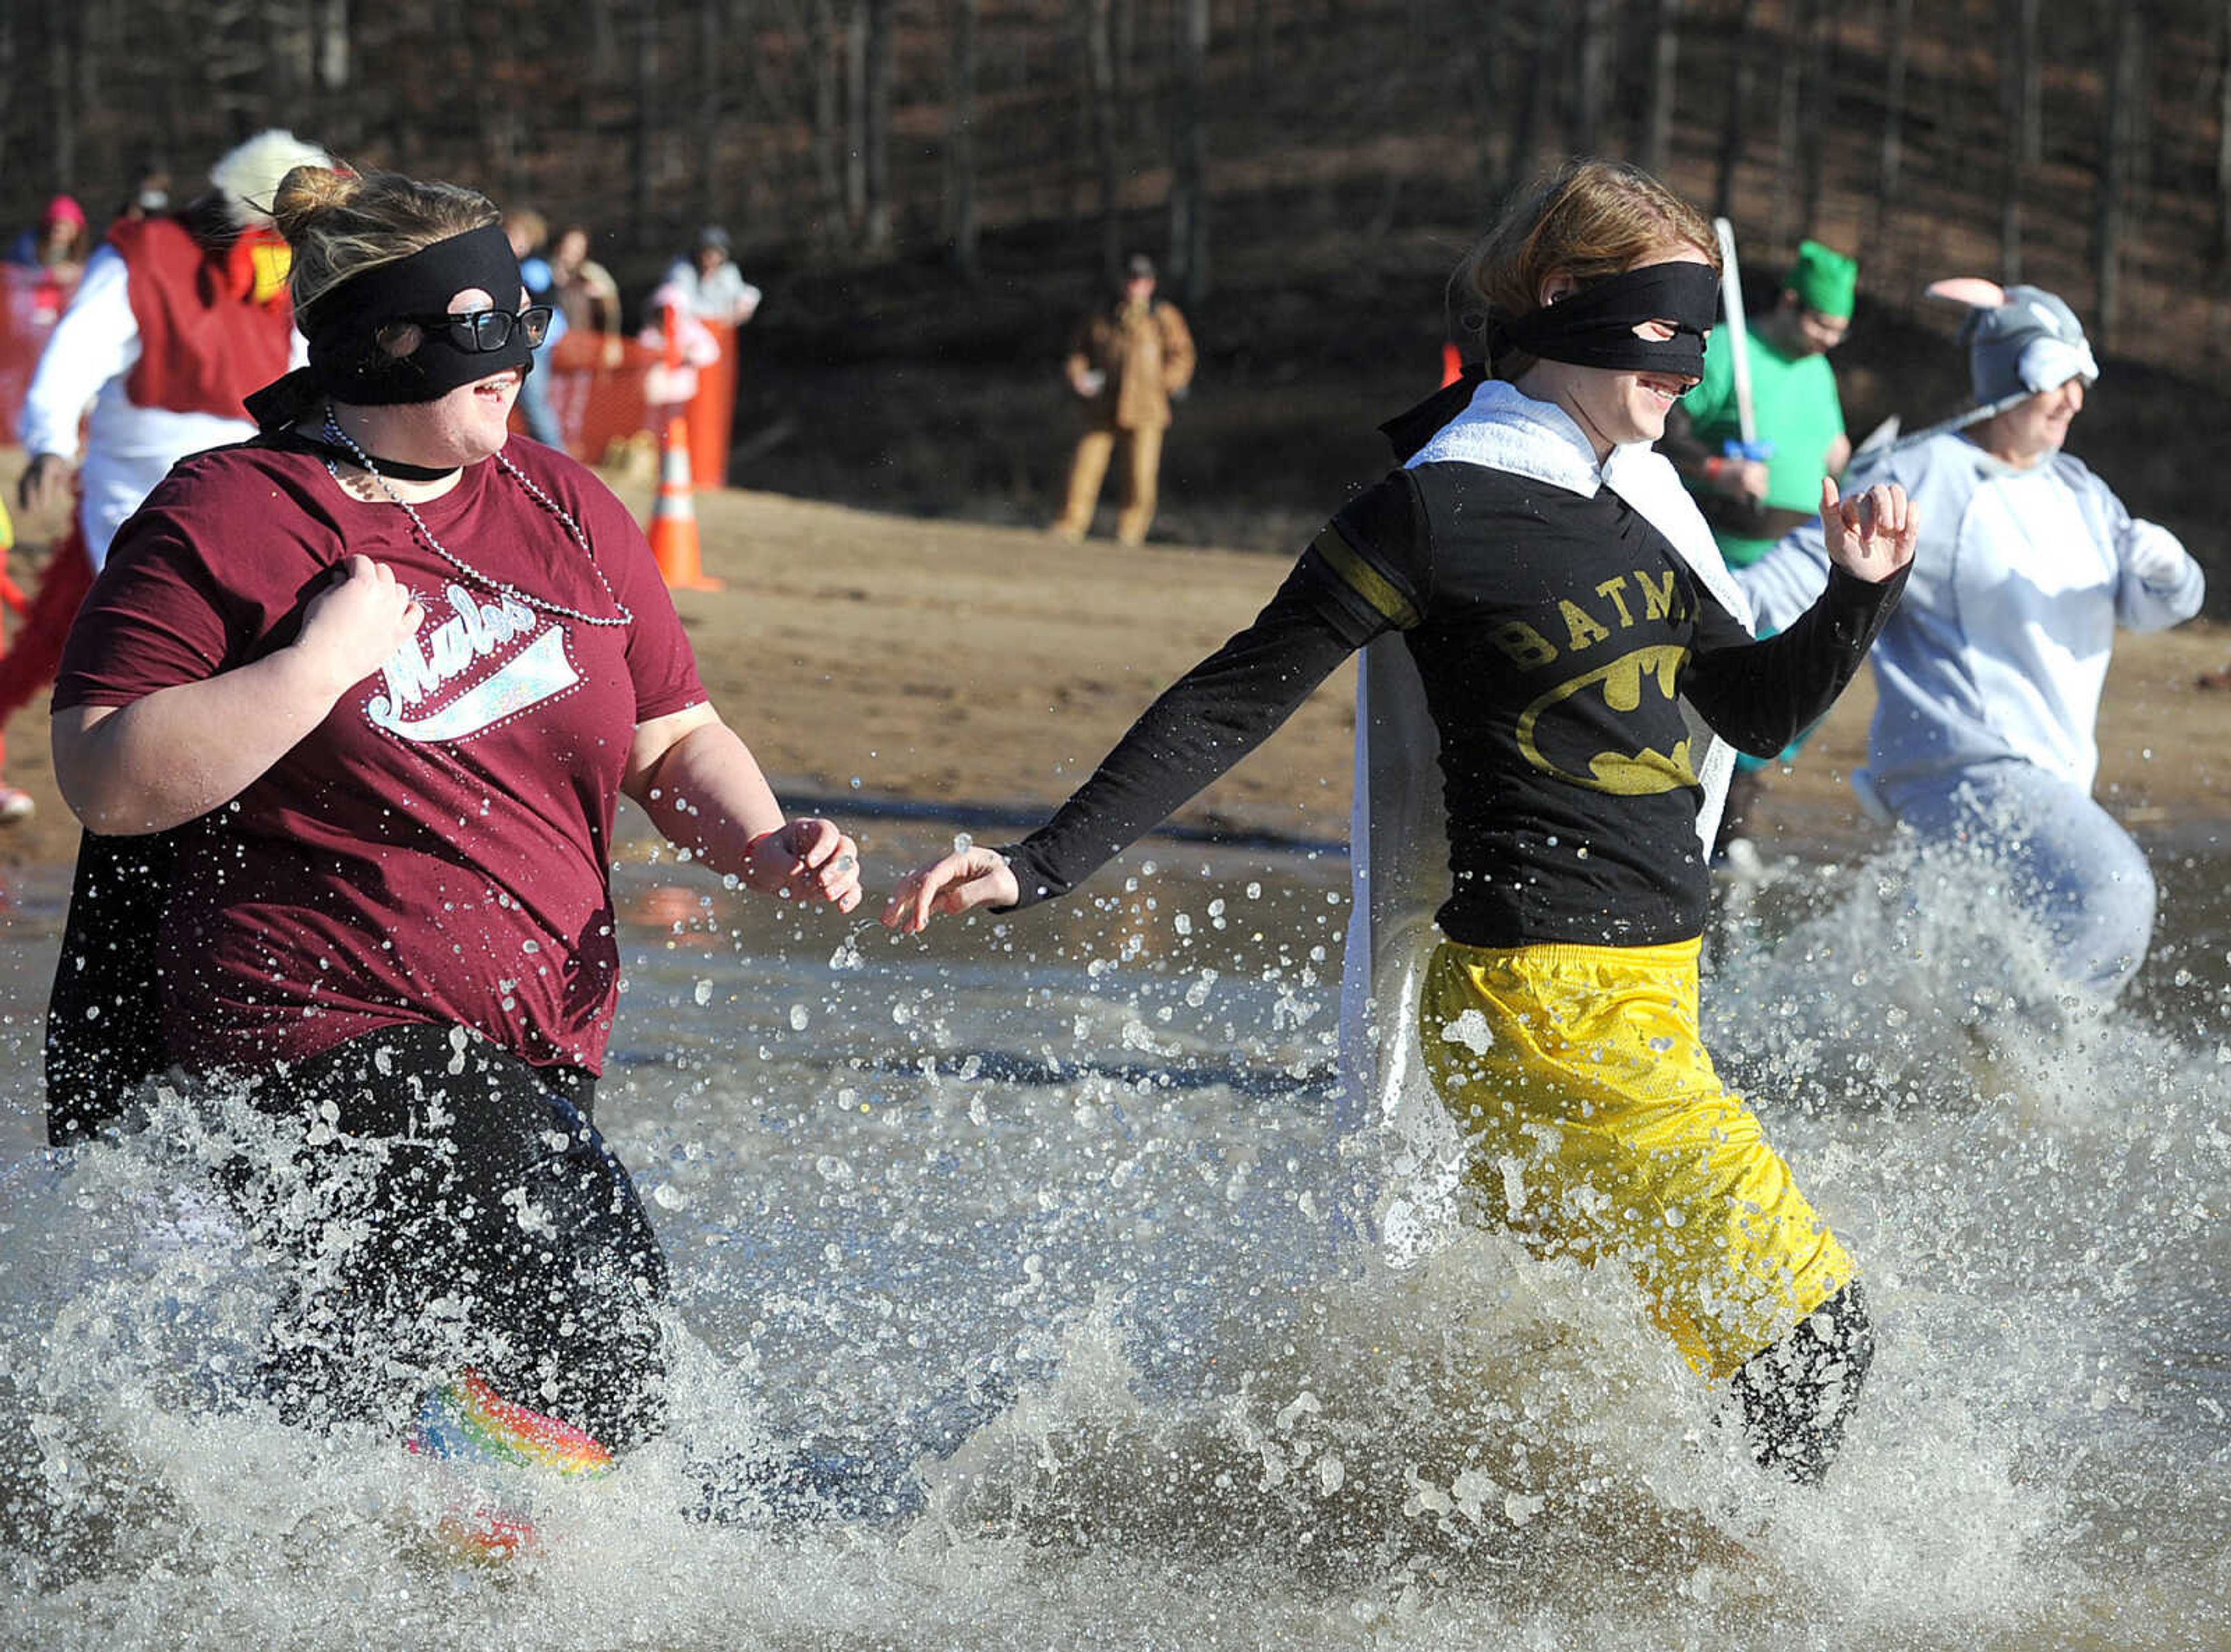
x=343 y=328
x=1594 y=327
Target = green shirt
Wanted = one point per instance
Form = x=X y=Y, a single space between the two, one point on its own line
x=1797 y=412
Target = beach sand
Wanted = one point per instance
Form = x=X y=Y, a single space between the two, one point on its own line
x=880 y=659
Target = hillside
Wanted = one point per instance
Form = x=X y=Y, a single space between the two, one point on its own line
x=931 y=190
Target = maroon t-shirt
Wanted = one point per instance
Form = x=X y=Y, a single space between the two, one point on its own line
x=437 y=849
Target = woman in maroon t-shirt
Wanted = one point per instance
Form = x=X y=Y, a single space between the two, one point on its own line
x=374 y=682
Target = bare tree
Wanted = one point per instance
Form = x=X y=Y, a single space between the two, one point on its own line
x=711 y=29
x=820 y=35
x=7 y=65
x=2222 y=136
x=1189 y=152
x=643 y=135
x=1817 y=115
x=878 y=51
x=62 y=87
x=1890 y=164
x=1591 y=64
x=1788 y=136
x=329 y=44
x=1532 y=109
x=961 y=142
x=1100 y=69
x=2114 y=208
x=1657 y=104
x=2023 y=129
x=1740 y=83
x=856 y=118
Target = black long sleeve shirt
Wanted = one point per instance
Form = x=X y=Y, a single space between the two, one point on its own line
x=1556 y=637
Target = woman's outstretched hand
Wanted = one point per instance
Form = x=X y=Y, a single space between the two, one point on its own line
x=1871 y=533
x=961 y=881
x=810 y=858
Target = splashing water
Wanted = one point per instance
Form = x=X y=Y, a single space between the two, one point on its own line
x=1010 y=1310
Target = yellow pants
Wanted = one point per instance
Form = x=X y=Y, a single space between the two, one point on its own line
x=1144 y=462
x=1598 y=1128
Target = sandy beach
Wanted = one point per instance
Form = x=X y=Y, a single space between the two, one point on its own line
x=902 y=661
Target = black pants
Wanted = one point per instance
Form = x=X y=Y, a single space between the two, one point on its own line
x=444 y=1205
x=1798 y=1395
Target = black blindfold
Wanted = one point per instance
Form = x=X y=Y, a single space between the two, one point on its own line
x=1594 y=327
x=343 y=328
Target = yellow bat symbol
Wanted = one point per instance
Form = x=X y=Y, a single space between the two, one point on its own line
x=1641 y=774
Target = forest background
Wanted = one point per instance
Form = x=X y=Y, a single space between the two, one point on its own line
x=932 y=192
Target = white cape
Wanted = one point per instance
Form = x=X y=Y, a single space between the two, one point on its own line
x=1398 y=845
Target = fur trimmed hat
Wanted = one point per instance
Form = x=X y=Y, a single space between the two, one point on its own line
x=248 y=174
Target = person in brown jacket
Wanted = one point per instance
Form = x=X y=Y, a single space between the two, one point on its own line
x=1126 y=363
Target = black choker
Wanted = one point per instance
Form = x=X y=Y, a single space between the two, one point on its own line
x=392 y=467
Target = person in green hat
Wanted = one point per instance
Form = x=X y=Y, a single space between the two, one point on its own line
x=1752 y=499
x=1751 y=502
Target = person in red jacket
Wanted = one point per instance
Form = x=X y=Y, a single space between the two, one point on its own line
x=179 y=318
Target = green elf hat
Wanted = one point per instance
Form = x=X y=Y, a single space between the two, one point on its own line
x=1824 y=279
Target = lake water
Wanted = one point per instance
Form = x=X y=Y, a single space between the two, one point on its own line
x=1031 y=1233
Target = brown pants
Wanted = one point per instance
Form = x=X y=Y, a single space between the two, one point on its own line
x=1144 y=460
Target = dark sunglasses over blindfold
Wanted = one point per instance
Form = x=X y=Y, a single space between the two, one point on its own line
x=480 y=331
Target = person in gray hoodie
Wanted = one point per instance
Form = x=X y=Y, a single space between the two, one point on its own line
x=1989 y=672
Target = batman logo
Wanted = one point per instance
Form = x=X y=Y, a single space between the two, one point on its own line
x=1563 y=748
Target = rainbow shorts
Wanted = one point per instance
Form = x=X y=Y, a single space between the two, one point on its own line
x=1598 y=1128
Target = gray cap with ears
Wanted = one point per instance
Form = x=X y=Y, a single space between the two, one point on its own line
x=2030 y=343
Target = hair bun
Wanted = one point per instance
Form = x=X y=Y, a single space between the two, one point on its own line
x=309 y=192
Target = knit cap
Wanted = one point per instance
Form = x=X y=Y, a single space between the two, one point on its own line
x=1824 y=279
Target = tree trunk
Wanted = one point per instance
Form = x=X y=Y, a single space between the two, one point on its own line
x=1189 y=153
x=712 y=174
x=2018 y=83
x=1665 y=67
x=8 y=48
x=603 y=54
x=856 y=119
x=1099 y=70
x=1816 y=115
x=2222 y=141
x=2030 y=47
x=823 y=46
x=1740 y=85
x=1531 y=116
x=1890 y=164
x=1591 y=74
x=61 y=85
x=329 y=44
x=876 y=230
x=643 y=161
x=1493 y=85
x=1126 y=32
x=1788 y=127
x=2117 y=168
x=961 y=143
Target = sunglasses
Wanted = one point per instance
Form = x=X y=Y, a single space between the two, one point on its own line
x=478 y=332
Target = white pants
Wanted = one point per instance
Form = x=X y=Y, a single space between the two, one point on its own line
x=2085 y=880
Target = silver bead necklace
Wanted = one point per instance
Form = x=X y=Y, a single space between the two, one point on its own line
x=364 y=462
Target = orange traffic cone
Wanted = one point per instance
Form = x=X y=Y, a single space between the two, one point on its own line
x=1452 y=365
x=674 y=517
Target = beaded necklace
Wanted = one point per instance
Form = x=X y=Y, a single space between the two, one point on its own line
x=364 y=462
